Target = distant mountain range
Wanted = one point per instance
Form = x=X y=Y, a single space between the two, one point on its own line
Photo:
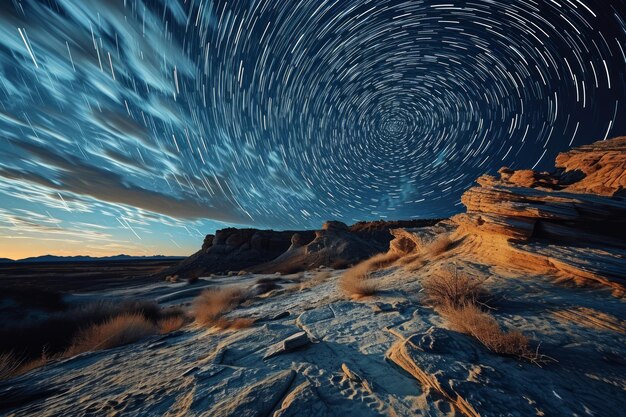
x=79 y=258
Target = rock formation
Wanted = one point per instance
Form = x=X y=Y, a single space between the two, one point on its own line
x=234 y=250
x=267 y=251
x=570 y=223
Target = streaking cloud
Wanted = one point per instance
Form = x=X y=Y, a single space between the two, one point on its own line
x=164 y=119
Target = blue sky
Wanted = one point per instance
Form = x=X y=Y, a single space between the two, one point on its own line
x=131 y=126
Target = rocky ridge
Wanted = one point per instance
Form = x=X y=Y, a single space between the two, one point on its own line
x=269 y=251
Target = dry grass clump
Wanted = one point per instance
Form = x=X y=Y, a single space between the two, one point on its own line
x=93 y=326
x=438 y=246
x=117 y=331
x=459 y=298
x=358 y=282
x=170 y=324
x=454 y=289
x=9 y=365
x=212 y=304
x=471 y=320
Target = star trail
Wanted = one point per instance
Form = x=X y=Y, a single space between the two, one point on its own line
x=143 y=125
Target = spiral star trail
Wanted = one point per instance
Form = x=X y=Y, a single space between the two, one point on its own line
x=143 y=125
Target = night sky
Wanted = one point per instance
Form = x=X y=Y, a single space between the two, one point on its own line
x=140 y=126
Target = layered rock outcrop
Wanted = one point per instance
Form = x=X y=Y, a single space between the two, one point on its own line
x=570 y=223
x=339 y=246
x=236 y=249
x=268 y=251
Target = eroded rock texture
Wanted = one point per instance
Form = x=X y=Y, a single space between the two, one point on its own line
x=269 y=251
x=570 y=223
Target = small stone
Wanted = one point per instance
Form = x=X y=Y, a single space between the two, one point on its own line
x=294 y=341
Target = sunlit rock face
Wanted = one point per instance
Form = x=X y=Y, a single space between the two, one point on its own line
x=569 y=223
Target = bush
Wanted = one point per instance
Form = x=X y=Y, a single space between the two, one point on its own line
x=170 y=324
x=120 y=330
x=71 y=332
x=453 y=288
x=458 y=298
x=9 y=365
x=56 y=333
x=212 y=304
x=471 y=320
x=358 y=282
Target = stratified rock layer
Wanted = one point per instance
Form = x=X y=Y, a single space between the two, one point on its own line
x=570 y=223
x=234 y=250
x=268 y=251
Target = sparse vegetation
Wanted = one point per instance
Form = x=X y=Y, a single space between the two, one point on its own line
x=459 y=298
x=454 y=289
x=471 y=320
x=170 y=324
x=91 y=326
x=438 y=246
x=9 y=365
x=358 y=282
x=212 y=304
x=117 y=331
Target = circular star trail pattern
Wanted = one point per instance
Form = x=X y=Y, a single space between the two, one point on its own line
x=287 y=113
x=392 y=108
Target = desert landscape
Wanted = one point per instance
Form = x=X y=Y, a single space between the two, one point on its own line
x=514 y=307
x=312 y=208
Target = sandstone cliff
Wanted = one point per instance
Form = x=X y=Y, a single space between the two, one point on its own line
x=268 y=251
x=570 y=223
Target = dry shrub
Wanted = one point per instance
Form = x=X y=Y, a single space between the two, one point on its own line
x=212 y=304
x=382 y=260
x=438 y=246
x=314 y=281
x=358 y=282
x=453 y=288
x=93 y=326
x=170 y=324
x=9 y=365
x=459 y=298
x=471 y=320
x=118 y=331
x=56 y=332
